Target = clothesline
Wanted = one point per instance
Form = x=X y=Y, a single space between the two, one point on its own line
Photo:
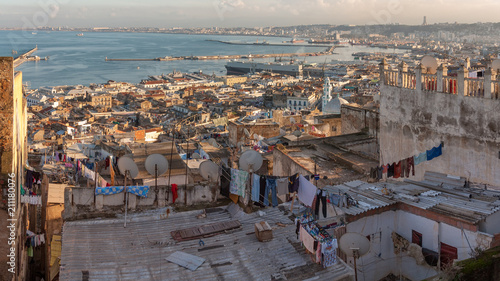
x=109 y=190
x=403 y=167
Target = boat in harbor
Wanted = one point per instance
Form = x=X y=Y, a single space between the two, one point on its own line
x=79 y=34
x=243 y=67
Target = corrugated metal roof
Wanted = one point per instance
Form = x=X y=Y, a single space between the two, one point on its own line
x=108 y=251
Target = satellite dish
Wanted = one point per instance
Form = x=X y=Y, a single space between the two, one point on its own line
x=158 y=160
x=247 y=133
x=209 y=170
x=495 y=64
x=354 y=244
x=255 y=136
x=430 y=63
x=250 y=161
x=196 y=156
x=127 y=164
x=292 y=120
x=297 y=133
x=213 y=142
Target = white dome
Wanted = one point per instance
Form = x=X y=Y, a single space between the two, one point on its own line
x=333 y=107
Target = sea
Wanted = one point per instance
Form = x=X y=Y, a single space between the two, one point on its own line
x=80 y=60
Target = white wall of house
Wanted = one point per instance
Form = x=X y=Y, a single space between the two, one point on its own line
x=381 y=259
x=491 y=224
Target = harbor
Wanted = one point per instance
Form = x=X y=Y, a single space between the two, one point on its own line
x=328 y=51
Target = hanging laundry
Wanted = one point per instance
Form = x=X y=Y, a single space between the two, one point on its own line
x=422 y=157
x=390 y=170
x=434 y=152
x=270 y=187
x=282 y=186
x=109 y=190
x=234 y=198
x=174 y=192
x=293 y=183
x=307 y=239
x=404 y=163
x=320 y=198
x=239 y=180
x=380 y=172
x=335 y=199
x=329 y=253
x=397 y=170
x=255 y=188
x=306 y=192
x=410 y=166
x=141 y=191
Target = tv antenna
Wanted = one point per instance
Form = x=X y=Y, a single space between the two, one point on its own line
x=430 y=63
x=127 y=167
x=354 y=245
x=156 y=165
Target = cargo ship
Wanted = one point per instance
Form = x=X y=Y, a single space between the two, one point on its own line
x=241 y=68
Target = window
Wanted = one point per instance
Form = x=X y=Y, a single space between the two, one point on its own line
x=448 y=254
x=416 y=238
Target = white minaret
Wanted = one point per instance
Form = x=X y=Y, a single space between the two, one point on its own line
x=327 y=93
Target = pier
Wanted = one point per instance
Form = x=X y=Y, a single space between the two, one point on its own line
x=328 y=51
x=27 y=57
x=270 y=44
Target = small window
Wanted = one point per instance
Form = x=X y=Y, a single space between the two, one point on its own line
x=448 y=254
x=416 y=238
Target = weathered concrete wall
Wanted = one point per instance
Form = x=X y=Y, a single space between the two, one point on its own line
x=330 y=127
x=266 y=130
x=285 y=120
x=80 y=203
x=355 y=119
x=414 y=121
x=284 y=166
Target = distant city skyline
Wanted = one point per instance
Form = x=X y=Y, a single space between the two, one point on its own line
x=240 y=13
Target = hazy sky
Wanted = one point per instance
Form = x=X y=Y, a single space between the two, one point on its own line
x=232 y=13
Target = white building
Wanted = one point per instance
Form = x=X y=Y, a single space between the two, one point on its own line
x=417 y=228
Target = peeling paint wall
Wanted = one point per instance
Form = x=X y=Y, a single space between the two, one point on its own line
x=414 y=121
x=355 y=119
x=81 y=202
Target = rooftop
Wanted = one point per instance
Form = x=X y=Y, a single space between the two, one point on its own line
x=108 y=251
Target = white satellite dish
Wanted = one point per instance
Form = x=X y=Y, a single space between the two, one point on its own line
x=157 y=160
x=246 y=132
x=209 y=170
x=213 y=142
x=430 y=63
x=255 y=136
x=250 y=161
x=354 y=244
x=495 y=65
x=292 y=120
x=127 y=164
x=196 y=156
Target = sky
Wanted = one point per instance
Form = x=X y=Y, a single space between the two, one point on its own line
x=240 y=13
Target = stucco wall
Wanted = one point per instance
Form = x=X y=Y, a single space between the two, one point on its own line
x=414 y=121
x=284 y=166
x=381 y=259
x=80 y=202
x=355 y=119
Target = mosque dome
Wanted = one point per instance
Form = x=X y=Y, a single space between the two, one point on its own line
x=333 y=106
